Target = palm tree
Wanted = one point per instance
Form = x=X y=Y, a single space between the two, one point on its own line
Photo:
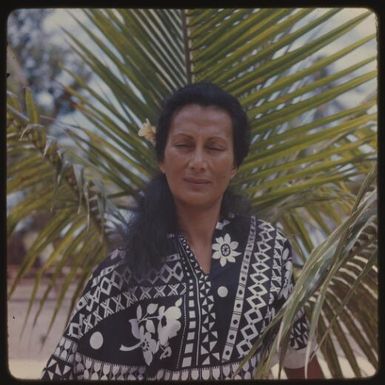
x=310 y=171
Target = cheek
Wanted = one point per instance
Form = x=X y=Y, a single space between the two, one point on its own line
x=170 y=162
x=173 y=157
x=173 y=172
x=225 y=179
x=226 y=170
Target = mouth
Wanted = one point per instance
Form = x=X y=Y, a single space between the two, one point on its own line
x=196 y=181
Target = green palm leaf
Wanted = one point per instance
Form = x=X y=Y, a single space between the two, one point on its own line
x=301 y=173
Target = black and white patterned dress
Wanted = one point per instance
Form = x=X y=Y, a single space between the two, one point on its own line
x=179 y=323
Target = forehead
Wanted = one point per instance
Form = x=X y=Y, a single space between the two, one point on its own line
x=194 y=117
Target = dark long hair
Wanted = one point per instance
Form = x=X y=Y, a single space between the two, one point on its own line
x=146 y=239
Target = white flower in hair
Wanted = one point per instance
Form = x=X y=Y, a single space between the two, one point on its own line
x=148 y=131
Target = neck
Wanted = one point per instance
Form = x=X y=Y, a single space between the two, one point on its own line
x=198 y=224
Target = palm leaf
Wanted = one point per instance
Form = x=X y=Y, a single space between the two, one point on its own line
x=300 y=174
x=53 y=188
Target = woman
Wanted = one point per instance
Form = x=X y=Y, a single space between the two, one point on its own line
x=199 y=278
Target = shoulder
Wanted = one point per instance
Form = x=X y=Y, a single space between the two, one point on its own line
x=265 y=234
x=260 y=225
x=275 y=232
x=271 y=237
x=114 y=266
x=253 y=220
x=251 y=223
x=107 y=280
x=266 y=226
x=240 y=220
x=114 y=258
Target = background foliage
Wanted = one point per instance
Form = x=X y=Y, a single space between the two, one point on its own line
x=311 y=168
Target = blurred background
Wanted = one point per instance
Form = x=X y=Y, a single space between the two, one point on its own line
x=42 y=56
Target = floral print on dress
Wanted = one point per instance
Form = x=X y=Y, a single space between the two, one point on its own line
x=225 y=249
x=149 y=345
x=154 y=329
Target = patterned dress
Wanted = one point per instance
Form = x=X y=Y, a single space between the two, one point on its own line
x=180 y=323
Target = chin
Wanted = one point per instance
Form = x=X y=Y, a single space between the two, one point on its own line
x=198 y=201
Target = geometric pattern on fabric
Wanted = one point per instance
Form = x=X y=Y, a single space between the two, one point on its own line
x=188 y=356
x=91 y=369
x=208 y=334
x=257 y=286
x=100 y=311
x=300 y=332
x=178 y=322
x=202 y=328
x=254 y=315
x=240 y=294
x=164 y=276
x=215 y=372
x=60 y=363
x=143 y=293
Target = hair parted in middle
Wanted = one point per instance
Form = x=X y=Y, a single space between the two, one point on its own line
x=146 y=234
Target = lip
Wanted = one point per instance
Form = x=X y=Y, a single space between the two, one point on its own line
x=196 y=180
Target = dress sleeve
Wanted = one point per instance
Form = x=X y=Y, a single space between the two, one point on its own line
x=299 y=335
x=62 y=363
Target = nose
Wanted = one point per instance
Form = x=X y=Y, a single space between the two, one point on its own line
x=197 y=160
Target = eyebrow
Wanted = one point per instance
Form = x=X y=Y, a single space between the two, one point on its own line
x=188 y=136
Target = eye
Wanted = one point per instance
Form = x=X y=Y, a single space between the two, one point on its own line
x=182 y=145
x=216 y=145
x=215 y=148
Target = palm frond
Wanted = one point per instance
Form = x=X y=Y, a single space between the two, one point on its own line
x=307 y=155
x=53 y=187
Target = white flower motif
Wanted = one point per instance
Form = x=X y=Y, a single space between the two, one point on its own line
x=150 y=341
x=151 y=338
x=169 y=325
x=149 y=345
x=225 y=250
x=148 y=131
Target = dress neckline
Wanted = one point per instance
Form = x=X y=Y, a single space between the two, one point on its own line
x=184 y=244
x=191 y=256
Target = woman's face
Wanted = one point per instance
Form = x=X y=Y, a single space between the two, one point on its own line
x=199 y=156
